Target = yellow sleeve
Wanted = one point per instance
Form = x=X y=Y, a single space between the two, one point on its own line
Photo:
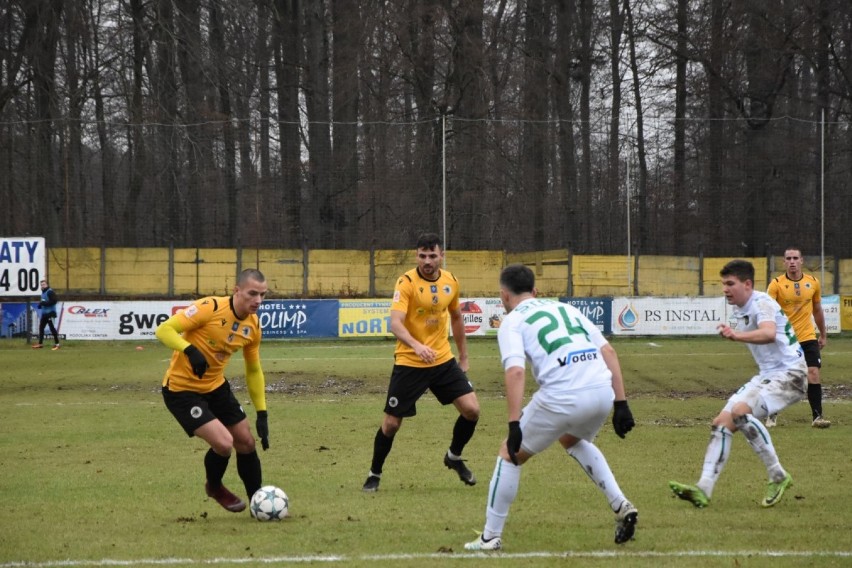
x=256 y=384
x=169 y=333
x=773 y=289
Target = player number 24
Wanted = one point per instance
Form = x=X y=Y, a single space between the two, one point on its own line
x=563 y=327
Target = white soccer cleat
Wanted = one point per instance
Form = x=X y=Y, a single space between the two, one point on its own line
x=771 y=420
x=625 y=522
x=479 y=544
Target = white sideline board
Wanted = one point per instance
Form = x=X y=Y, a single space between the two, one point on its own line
x=22 y=265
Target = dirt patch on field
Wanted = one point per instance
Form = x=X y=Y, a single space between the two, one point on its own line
x=841 y=392
x=307 y=385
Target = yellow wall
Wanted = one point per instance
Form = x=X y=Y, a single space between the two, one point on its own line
x=333 y=274
x=346 y=273
x=602 y=276
x=551 y=268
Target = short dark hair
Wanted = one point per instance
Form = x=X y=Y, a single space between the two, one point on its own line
x=741 y=269
x=795 y=247
x=518 y=279
x=429 y=241
x=250 y=274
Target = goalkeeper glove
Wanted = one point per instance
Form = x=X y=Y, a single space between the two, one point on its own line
x=196 y=360
x=513 y=443
x=622 y=418
x=262 y=426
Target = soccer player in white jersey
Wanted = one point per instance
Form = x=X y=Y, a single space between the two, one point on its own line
x=579 y=376
x=758 y=321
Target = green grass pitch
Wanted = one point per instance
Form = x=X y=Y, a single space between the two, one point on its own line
x=94 y=471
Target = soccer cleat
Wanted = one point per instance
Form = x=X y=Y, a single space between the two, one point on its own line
x=372 y=483
x=625 y=522
x=690 y=493
x=458 y=466
x=775 y=490
x=771 y=420
x=38 y=346
x=225 y=498
x=481 y=544
x=820 y=422
x=55 y=347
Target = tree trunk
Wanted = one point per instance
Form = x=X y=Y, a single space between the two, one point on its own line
x=641 y=181
x=326 y=220
x=286 y=33
x=347 y=42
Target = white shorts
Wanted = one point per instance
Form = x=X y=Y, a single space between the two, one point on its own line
x=581 y=415
x=773 y=392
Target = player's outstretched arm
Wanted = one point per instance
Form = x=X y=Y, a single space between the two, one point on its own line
x=622 y=418
x=256 y=385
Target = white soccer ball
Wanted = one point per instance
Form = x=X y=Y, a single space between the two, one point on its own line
x=269 y=503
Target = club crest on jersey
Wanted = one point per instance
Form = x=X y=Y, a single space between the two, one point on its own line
x=447 y=289
x=246 y=331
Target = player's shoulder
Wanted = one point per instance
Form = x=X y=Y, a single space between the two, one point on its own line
x=408 y=277
x=447 y=275
x=810 y=279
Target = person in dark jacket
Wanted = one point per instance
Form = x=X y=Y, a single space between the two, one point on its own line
x=47 y=305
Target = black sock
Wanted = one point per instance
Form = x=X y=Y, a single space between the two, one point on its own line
x=215 y=465
x=248 y=466
x=815 y=398
x=462 y=433
x=381 y=448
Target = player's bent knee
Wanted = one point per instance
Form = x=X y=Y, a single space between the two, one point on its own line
x=391 y=425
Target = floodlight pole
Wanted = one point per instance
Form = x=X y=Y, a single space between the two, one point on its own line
x=627 y=191
x=444 y=179
x=822 y=199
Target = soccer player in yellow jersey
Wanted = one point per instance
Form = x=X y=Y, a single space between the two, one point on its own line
x=204 y=336
x=425 y=305
x=799 y=296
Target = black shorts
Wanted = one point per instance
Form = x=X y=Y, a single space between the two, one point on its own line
x=447 y=382
x=193 y=410
x=812 y=354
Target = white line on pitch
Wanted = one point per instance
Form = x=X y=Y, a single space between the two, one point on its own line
x=435 y=556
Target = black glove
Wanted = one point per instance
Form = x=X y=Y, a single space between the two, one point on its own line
x=262 y=425
x=622 y=418
x=513 y=443
x=196 y=360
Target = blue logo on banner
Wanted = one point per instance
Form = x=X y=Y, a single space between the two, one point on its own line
x=598 y=310
x=299 y=318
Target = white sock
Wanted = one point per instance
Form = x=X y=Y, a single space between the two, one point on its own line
x=760 y=441
x=596 y=467
x=453 y=456
x=501 y=494
x=715 y=458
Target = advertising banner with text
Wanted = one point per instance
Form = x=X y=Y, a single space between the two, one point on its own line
x=364 y=318
x=599 y=310
x=298 y=318
x=114 y=320
x=846 y=312
x=482 y=316
x=831 y=309
x=667 y=316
